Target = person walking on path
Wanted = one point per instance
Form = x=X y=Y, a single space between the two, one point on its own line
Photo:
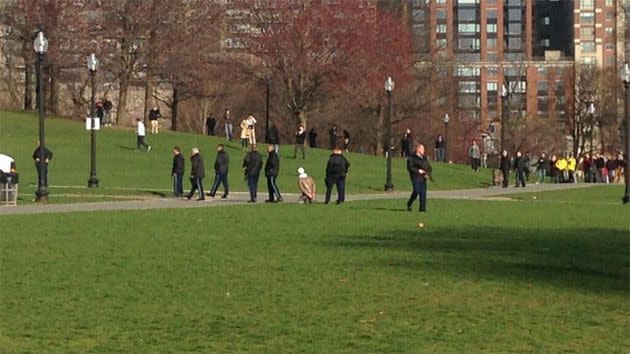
x=561 y=167
x=177 y=172
x=332 y=136
x=211 y=122
x=306 y=185
x=42 y=165
x=405 y=144
x=419 y=170
x=346 y=140
x=196 y=175
x=336 y=171
x=273 y=137
x=504 y=166
x=542 y=167
x=440 y=145
x=252 y=165
x=228 y=124
x=272 y=168
x=141 y=132
x=519 y=167
x=300 y=141
x=221 y=169
x=312 y=138
x=154 y=115
x=475 y=155
x=528 y=164
x=571 y=166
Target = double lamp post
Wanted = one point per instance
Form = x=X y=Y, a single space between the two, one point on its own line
x=389 y=88
x=40 y=45
x=92 y=65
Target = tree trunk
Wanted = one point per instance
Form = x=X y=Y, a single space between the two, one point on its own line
x=121 y=111
x=301 y=118
x=174 y=105
x=147 y=95
x=28 y=77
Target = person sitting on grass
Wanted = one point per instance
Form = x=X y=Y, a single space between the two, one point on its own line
x=306 y=185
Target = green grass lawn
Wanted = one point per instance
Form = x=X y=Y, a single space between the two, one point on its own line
x=481 y=276
x=119 y=166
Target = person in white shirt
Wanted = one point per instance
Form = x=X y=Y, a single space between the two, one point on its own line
x=141 y=133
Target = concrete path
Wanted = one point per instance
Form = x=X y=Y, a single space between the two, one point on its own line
x=241 y=198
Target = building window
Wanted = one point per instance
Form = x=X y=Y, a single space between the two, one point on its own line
x=609 y=30
x=441 y=29
x=492 y=71
x=491 y=86
x=467 y=71
x=440 y=14
x=610 y=46
x=587 y=33
x=610 y=15
x=468 y=28
x=514 y=43
x=609 y=3
x=587 y=17
x=492 y=14
x=468 y=44
x=588 y=47
x=588 y=60
x=491 y=27
x=546 y=21
x=492 y=57
x=469 y=86
x=440 y=1
x=491 y=42
x=587 y=4
x=441 y=42
x=545 y=43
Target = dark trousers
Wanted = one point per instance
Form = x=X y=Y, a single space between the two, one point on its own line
x=42 y=174
x=419 y=191
x=178 y=184
x=475 y=163
x=197 y=184
x=520 y=178
x=220 y=178
x=295 y=149
x=340 y=182
x=252 y=184
x=506 y=178
x=140 y=142
x=272 y=186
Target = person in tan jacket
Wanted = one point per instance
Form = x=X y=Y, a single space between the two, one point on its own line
x=307 y=186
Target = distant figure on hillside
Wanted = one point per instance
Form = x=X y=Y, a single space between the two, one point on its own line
x=346 y=140
x=141 y=132
x=332 y=136
x=252 y=165
x=300 y=141
x=107 y=112
x=196 y=175
x=245 y=132
x=221 y=169
x=42 y=165
x=336 y=171
x=177 y=171
x=440 y=147
x=419 y=171
x=312 y=138
x=154 y=115
x=211 y=123
x=228 y=124
x=504 y=166
x=251 y=125
x=99 y=110
x=519 y=167
x=406 y=143
x=475 y=156
x=272 y=169
x=306 y=185
x=273 y=137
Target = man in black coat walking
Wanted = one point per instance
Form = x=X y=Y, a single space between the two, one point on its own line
x=336 y=171
x=252 y=165
x=42 y=165
x=272 y=168
x=211 y=123
x=196 y=175
x=419 y=171
x=519 y=167
x=505 y=168
x=221 y=168
x=178 y=172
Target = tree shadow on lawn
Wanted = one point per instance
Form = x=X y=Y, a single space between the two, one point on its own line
x=589 y=259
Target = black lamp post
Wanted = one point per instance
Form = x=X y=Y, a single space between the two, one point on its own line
x=268 y=93
x=92 y=64
x=504 y=116
x=446 y=119
x=625 y=76
x=41 y=46
x=389 y=88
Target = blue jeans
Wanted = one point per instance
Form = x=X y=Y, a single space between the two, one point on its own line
x=520 y=178
x=178 y=184
x=220 y=178
x=439 y=154
x=419 y=191
x=252 y=184
x=229 y=130
x=541 y=175
x=340 y=182
x=272 y=186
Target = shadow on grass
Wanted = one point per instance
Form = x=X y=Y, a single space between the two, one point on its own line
x=126 y=148
x=589 y=259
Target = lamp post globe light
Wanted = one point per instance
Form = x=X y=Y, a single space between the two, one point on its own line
x=446 y=119
x=92 y=65
x=625 y=77
x=389 y=88
x=40 y=45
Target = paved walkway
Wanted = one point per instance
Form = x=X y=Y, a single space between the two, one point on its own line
x=241 y=198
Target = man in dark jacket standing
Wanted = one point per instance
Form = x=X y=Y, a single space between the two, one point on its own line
x=178 y=172
x=519 y=167
x=273 y=137
x=272 y=168
x=312 y=138
x=252 y=164
x=419 y=171
x=221 y=168
x=332 y=136
x=300 y=142
x=42 y=165
x=336 y=171
x=196 y=175
x=504 y=166
x=211 y=123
